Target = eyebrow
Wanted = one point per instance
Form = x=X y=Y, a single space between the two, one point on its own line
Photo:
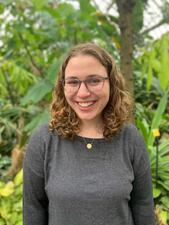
x=88 y=76
x=71 y=77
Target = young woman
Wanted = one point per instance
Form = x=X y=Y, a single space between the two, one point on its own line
x=89 y=165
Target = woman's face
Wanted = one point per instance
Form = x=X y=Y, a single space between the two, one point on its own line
x=90 y=98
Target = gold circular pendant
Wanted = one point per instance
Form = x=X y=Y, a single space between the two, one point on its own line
x=89 y=146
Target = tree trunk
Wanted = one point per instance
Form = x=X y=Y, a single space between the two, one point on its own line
x=125 y=9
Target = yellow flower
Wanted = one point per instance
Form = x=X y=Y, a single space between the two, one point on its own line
x=156 y=132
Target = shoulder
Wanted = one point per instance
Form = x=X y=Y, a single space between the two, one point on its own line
x=134 y=139
x=129 y=127
x=36 y=149
x=42 y=136
x=39 y=143
x=131 y=132
x=43 y=132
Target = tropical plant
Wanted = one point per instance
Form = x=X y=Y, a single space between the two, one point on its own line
x=159 y=157
x=155 y=63
x=11 y=201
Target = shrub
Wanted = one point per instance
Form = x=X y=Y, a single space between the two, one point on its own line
x=11 y=201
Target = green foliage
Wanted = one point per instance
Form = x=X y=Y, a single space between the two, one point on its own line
x=155 y=62
x=160 y=183
x=15 y=80
x=157 y=118
x=35 y=41
x=37 y=92
x=11 y=201
x=36 y=121
x=5 y=162
x=138 y=15
x=152 y=91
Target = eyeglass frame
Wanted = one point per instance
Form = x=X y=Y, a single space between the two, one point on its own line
x=84 y=81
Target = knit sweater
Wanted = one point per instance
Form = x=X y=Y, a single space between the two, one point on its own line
x=67 y=184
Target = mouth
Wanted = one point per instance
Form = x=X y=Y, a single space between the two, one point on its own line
x=86 y=104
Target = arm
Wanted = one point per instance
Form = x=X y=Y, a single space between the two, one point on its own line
x=141 y=203
x=35 y=202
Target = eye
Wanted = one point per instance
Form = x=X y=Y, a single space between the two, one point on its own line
x=94 y=81
x=73 y=83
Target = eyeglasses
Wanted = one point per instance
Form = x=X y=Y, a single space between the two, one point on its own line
x=93 y=84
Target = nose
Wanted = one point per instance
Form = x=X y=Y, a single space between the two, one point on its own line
x=83 y=91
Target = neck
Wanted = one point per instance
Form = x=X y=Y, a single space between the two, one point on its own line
x=91 y=130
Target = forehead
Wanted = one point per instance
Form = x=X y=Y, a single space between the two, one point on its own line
x=84 y=65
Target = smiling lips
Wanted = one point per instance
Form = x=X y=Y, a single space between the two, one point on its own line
x=86 y=104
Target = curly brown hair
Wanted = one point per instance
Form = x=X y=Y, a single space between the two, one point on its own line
x=118 y=109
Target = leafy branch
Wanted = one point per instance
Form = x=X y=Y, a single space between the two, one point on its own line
x=29 y=55
x=9 y=86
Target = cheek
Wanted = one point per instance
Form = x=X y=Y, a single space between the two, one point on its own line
x=107 y=92
x=68 y=98
x=107 y=96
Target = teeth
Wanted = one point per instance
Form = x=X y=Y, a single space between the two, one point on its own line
x=85 y=104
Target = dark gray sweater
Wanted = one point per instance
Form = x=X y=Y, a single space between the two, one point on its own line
x=67 y=184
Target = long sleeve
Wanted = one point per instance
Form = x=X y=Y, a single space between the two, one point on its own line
x=35 y=202
x=141 y=203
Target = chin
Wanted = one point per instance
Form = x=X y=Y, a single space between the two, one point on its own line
x=88 y=118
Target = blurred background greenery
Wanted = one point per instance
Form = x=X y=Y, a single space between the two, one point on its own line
x=34 y=37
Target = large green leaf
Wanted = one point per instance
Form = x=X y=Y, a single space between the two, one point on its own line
x=164 y=74
x=157 y=117
x=39 y=119
x=37 y=92
x=143 y=127
x=165 y=201
x=53 y=70
x=86 y=7
x=164 y=148
x=39 y=4
x=156 y=192
x=150 y=69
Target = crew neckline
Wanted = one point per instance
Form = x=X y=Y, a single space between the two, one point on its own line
x=90 y=139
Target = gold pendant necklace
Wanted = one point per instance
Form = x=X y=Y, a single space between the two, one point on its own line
x=89 y=145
